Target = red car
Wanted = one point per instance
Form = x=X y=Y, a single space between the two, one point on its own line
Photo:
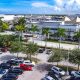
x=26 y=67
x=4 y=49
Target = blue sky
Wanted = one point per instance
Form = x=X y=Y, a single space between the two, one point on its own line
x=39 y=6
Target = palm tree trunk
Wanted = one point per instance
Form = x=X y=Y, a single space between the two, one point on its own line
x=19 y=36
x=57 y=64
x=48 y=35
x=17 y=55
x=59 y=42
x=19 y=42
x=30 y=57
x=46 y=42
x=79 y=43
x=78 y=67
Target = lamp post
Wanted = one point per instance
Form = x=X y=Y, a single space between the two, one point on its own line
x=68 y=62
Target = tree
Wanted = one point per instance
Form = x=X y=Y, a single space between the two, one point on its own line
x=77 y=35
x=5 y=40
x=74 y=57
x=5 y=26
x=20 y=26
x=16 y=47
x=31 y=48
x=56 y=56
x=60 y=34
x=20 y=29
x=45 y=31
x=34 y=28
x=20 y=21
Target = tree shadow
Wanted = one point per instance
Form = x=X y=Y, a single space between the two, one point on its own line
x=43 y=67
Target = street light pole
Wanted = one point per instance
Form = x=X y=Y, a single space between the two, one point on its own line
x=68 y=62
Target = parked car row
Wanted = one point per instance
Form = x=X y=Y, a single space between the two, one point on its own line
x=9 y=70
x=75 y=75
x=57 y=73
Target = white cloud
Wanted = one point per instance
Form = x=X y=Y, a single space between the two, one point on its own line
x=40 y=4
x=46 y=6
x=78 y=2
x=59 y=2
x=68 y=5
x=56 y=8
x=5 y=9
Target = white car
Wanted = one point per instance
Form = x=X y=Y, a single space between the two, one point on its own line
x=18 y=59
x=58 y=71
x=28 y=62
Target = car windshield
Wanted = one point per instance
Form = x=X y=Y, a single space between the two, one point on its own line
x=60 y=70
x=49 y=79
x=2 y=72
x=17 y=68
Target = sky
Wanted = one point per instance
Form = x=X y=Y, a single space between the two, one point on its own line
x=39 y=6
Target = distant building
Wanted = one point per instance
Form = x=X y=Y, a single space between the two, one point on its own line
x=70 y=23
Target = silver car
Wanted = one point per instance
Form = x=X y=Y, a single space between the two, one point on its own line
x=58 y=71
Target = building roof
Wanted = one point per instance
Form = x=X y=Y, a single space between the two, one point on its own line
x=67 y=19
x=78 y=19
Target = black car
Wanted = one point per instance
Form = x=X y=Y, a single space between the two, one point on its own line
x=41 y=50
x=53 y=75
x=73 y=78
x=7 y=79
x=15 y=70
x=9 y=76
x=12 y=62
x=5 y=66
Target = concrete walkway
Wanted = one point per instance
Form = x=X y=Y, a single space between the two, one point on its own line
x=55 y=45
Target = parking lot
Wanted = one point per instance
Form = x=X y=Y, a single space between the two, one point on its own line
x=38 y=71
x=32 y=75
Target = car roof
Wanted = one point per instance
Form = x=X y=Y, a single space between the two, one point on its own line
x=27 y=61
x=56 y=67
x=49 y=77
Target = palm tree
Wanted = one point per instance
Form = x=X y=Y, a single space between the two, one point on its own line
x=15 y=47
x=77 y=35
x=5 y=26
x=20 y=29
x=75 y=57
x=20 y=25
x=34 y=29
x=61 y=34
x=30 y=49
x=45 y=31
x=56 y=56
x=22 y=21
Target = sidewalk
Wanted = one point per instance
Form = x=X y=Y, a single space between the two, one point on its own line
x=54 y=45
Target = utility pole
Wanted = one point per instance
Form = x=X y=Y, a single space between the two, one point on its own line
x=68 y=62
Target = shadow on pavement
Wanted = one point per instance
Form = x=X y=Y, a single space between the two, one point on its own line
x=43 y=67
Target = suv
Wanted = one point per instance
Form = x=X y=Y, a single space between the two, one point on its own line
x=58 y=71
